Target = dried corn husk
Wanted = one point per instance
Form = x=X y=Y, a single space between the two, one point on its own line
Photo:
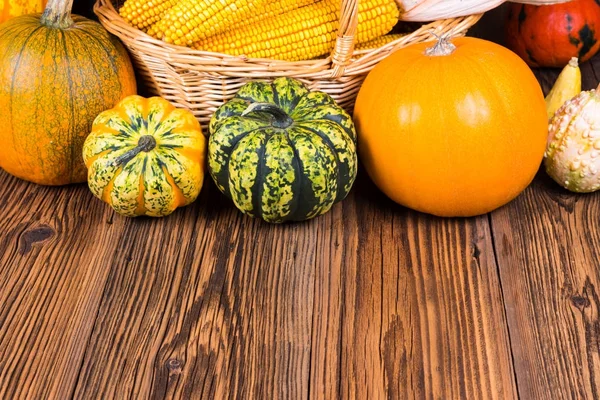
x=431 y=10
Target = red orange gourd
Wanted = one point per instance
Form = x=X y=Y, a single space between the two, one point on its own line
x=455 y=129
x=550 y=35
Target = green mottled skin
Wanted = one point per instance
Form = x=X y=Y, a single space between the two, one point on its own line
x=283 y=174
x=141 y=185
x=242 y=170
x=279 y=177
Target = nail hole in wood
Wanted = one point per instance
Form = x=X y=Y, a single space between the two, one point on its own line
x=174 y=365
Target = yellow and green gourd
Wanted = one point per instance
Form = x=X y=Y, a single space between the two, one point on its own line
x=145 y=157
x=282 y=152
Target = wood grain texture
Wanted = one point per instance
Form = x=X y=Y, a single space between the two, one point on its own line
x=419 y=321
x=548 y=248
x=54 y=258
x=364 y=302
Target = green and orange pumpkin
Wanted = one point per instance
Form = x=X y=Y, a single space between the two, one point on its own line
x=550 y=35
x=145 y=157
x=282 y=152
x=57 y=73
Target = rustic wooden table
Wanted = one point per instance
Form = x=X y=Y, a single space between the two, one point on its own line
x=369 y=301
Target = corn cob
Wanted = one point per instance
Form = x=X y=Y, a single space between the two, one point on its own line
x=272 y=9
x=143 y=13
x=302 y=34
x=379 y=41
x=192 y=20
x=256 y=11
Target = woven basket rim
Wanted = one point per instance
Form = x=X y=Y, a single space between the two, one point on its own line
x=204 y=61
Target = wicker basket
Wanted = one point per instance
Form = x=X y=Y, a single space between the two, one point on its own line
x=201 y=81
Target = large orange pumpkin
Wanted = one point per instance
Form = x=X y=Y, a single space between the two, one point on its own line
x=452 y=130
x=57 y=73
x=550 y=35
x=13 y=8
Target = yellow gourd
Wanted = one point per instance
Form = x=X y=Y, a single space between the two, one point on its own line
x=567 y=86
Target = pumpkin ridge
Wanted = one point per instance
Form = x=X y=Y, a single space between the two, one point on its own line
x=71 y=104
x=106 y=195
x=191 y=155
x=12 y=28
x=239 y=158
x=319 y=202
x=93 y=158
x=329 y=144
x=277 y=188
x=95 y=67
x=296 y=101
x=233 y=148
x=12 y=86
x=110 y=57
x=289 y=93
x=141 y=205
x=299 y=179
x=276 y=96
x=178 y=196
x=258 y=187
x=338 y=121
x=172 y=159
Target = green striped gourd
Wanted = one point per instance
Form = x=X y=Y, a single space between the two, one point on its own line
x=282 y=152
x=145 y=157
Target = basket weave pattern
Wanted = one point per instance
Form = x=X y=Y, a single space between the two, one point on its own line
x=201 y=81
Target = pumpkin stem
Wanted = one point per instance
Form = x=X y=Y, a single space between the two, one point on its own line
x=146 y=143
x=443 y=46
x=280 y=118
x=58 y=14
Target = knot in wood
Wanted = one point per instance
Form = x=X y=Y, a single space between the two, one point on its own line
x=36 y=235
x=580 y=302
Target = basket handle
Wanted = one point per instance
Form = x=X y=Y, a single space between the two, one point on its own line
x=344 y=44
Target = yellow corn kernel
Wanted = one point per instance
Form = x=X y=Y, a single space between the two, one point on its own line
x=379 y=41
x=302 y=34
x=203 y=18
x=272 y=9
x=143 y=13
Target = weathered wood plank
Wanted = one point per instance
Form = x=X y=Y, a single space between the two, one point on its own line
x=548 y=251
x=367 y=301
x=54 y=252
x=211 y=304
x=422 y=308
x=548 y=247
